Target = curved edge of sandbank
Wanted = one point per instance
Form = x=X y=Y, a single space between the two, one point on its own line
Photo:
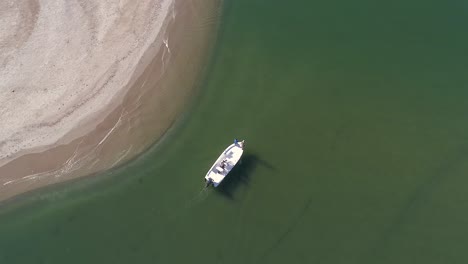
x=130 y=125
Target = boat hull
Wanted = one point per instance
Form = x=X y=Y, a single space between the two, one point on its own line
x=224 y=164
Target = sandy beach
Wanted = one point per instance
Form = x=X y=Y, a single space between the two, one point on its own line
x=88 y=85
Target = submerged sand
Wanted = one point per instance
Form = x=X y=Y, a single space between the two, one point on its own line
x=87 y=85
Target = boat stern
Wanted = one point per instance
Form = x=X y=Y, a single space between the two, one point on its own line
x=210 y=181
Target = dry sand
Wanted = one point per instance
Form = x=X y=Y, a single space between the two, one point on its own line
x=64 y=61
x=87 y=85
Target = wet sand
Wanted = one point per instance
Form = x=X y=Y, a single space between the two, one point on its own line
x=136 y=115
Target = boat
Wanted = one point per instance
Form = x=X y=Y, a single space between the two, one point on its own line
x=225 y=163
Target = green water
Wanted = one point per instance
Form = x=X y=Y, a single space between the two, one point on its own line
x=356 y=123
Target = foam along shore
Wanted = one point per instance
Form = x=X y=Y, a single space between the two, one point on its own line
x=78 y=77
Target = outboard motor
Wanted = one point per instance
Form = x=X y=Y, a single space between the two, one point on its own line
x=208 y=182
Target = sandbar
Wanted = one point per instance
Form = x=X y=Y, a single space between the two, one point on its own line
x=87 y=85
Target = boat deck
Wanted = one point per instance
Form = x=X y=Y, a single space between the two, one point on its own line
x=231 y=156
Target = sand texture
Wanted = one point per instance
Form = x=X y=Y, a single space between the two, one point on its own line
x=63 y=62
x=96 y=84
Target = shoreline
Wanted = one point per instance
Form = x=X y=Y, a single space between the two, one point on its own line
x=66 y=75
x=147 y=109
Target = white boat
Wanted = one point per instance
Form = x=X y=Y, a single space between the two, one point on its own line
x=224 y=164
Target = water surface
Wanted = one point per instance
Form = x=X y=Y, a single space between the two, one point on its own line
x=354 y=115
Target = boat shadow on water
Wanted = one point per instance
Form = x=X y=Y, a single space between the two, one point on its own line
x=241 y=174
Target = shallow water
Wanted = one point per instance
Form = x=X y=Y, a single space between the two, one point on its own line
x=354 y=116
